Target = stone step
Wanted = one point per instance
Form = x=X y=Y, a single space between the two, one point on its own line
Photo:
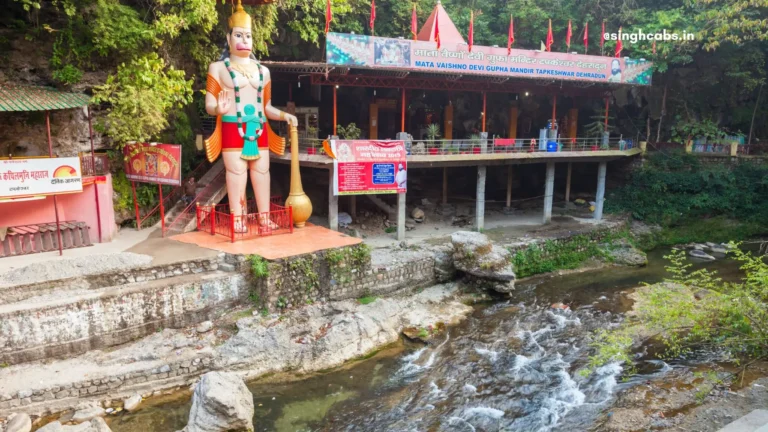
x=756 y=421
x=55 y=325
x=17 y=293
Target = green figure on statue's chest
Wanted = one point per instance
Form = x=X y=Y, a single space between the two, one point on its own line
x=253 y=129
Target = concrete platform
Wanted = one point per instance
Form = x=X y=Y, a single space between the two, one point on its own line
x=756 y=421
x=311 y=238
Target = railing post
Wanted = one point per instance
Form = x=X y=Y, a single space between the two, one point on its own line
x=232 y=224
x=197 y=215
x=212 y=216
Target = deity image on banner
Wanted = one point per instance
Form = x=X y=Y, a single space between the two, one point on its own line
x=239 y=95
x=151 y=164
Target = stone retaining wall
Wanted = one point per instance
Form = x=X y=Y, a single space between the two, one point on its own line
x=18 y=293
x=80 y=321
x=382 y=281
x=106 y=387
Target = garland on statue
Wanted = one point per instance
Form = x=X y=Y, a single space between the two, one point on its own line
x=259 y=105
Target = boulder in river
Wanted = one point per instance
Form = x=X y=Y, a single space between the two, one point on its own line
x=88 y=414
x=475 y=255
x=132 y=403
x=623 y=253
x=695 y=253
x=96 y=425
x=19 y=423
x=220 y=403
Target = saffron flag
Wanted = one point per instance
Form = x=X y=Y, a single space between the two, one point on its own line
x=471 y=35
x=568 y=35
x=619 y=45
x=414 y=23
x=586 y=36
x=511 y=38
x=602 y=37
x=328 y=15
x=550 y=39
x=437 y=31
x=373 y=14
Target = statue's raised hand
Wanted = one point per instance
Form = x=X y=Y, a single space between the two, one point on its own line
x=223 y=102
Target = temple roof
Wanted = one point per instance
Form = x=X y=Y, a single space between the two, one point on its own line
x=15 y=97
x=448 y=31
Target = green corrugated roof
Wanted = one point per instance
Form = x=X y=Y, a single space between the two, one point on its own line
x=28 y=98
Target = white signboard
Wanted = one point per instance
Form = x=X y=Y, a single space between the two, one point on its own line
x=37 y=177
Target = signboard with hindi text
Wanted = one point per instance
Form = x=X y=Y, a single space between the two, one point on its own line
x=454 y=58
x=153 y=163
x=36 y=177
x=369 y=167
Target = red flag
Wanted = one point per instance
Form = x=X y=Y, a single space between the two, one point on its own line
x=602 y=37
x=437 y=32
x=653 y=47
x=619 y=45
x=471 y=36
x=568 y=35
x=511 y=38
x=586 y=36
x=373 y=14
x=328 y=15
x=550 y=39
x=414 y=23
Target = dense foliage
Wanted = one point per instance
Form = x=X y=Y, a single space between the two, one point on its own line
x=158 y=50
x=696 y=309
x=554 y=255
x=672 y=187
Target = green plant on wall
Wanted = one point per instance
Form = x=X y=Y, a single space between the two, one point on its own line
x=259 y=266
x=345 y=261
x=303 y=270
x=282 y=302
x=553 y=255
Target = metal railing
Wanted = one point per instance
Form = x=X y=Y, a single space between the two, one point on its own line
x=760 y=149
x=96 y=165
x=492 y=146
x=219 y=220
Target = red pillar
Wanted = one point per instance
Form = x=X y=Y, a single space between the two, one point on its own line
x=485 y=114
x=554 y=110
x=162 y=209
x=334 y=109
x=55 y=202
x=93 y=164
x=402 y=120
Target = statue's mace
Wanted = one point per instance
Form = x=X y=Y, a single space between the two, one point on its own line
x=302 y=206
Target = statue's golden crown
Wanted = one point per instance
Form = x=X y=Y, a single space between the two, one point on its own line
x=240 y=18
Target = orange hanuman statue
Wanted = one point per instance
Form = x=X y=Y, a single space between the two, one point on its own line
x=239 y=95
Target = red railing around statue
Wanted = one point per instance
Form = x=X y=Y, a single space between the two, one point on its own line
x=218 y=220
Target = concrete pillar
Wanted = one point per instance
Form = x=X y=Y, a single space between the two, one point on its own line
x=601 y=169
x=373 y=121
x=445 y=185
x=401 y=216
x=568 y=184
x=333 y=204
x=549 y=191
x=509 y=187
x=480 y=207
x=353 y=207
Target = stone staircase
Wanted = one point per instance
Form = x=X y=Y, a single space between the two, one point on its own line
x=72 y=316
x=182 y=217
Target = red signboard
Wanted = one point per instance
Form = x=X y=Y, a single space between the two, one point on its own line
x=369 y=167
x=153 y=163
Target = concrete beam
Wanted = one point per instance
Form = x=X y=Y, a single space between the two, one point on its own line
x=333 y=204
x=400 y=216
x=549 y=191
x=480 y=206
x=600 y=198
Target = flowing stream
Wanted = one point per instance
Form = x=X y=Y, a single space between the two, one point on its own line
x=511 y=366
